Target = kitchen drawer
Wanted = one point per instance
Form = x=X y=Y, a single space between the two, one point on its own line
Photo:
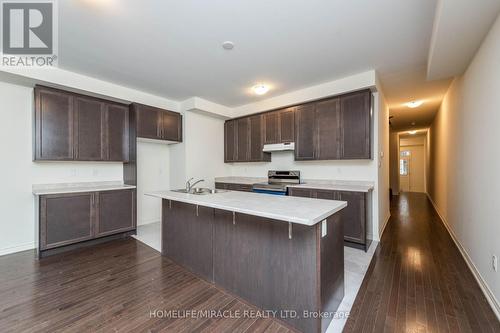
x=234 y=187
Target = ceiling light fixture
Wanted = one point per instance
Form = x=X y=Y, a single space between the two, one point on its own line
x=414 y=104
x=260 y=89
x=228 y=45
x=412 y=132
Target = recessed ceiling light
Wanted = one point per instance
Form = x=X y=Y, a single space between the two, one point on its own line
x=228 y=45
x=412 y=132
x=260 y=89
x=414 y=104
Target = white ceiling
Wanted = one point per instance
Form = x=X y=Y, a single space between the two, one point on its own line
x=173 y=48
x=459 y=28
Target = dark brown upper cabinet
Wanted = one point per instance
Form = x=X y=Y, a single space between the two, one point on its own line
x=90 y=129
x=271 y=132
x=230 y=141
x=355 y=123
x=257 y=140
x=74 y=127
x=158 y=124
x=331 y=129
x=54 y=125
x=243 y=139
x=287 y=125
x=279 y=126
x=117 y=132
x=328 y=130
x=305 y=131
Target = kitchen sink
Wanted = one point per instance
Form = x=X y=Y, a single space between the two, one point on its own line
x=200 y=191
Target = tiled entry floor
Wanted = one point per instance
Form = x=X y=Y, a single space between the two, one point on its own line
x=356 y=265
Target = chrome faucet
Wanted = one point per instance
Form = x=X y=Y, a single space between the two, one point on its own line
x=190 y=186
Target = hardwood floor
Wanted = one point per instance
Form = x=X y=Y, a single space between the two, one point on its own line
x=418 y=280
x=112 y=287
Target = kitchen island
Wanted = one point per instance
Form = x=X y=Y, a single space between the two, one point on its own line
x=282 y=254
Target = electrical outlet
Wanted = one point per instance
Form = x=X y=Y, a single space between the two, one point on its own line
x=494 y=263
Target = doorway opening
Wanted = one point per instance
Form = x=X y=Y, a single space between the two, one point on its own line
x=412 y=161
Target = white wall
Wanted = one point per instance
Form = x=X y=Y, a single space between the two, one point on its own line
x=383 y=163
x=19 y=172
x=394 y=161
x=153 y=174
x=464 y=180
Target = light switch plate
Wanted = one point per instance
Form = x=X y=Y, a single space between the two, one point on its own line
x=323 y=228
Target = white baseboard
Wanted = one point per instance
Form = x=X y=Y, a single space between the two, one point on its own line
x=17 y=248
x=490 y=297
x=385 y=225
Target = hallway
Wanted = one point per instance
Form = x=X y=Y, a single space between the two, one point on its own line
x=418 y=280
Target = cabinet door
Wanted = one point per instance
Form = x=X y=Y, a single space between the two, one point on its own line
x=328 y=130
x=353 y=216
x=256 y=140
x=171 y=128
x=300 y=192
x=355 y=124
x=66 y=219
x=54 y=139
x=287 y=125
x=243 y=140
x=89 y=129
x=117 y=122
x=325 y=194
x=271 y=127
x=148 y=122
x=116 y=212
x=230 y=141
x=305 y=129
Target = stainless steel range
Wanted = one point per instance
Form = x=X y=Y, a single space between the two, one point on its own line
x=277 y=182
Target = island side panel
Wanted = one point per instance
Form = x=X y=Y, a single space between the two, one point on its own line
x=255 y=259
x=332 y=268
x=187 y=235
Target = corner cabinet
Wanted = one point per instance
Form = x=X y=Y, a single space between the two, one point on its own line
x=67 y=219
x=243 y=140
x=73 y=127
x=157 y=124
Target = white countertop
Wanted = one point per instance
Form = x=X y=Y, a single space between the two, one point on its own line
x=337 y=185
x=290 y=209
x=324 y=184
x=44 y=189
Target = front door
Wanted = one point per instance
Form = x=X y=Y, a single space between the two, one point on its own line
x=404 y=171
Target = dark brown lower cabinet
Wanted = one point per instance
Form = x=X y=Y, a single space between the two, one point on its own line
x=355 y=217
x=261 y=260
x=188 y=243
x=67 y=219
x=234 y=187
x=116 y=212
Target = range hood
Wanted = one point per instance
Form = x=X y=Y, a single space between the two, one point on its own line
x=279 y=147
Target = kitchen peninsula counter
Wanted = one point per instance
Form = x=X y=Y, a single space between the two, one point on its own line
x=283 y=254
